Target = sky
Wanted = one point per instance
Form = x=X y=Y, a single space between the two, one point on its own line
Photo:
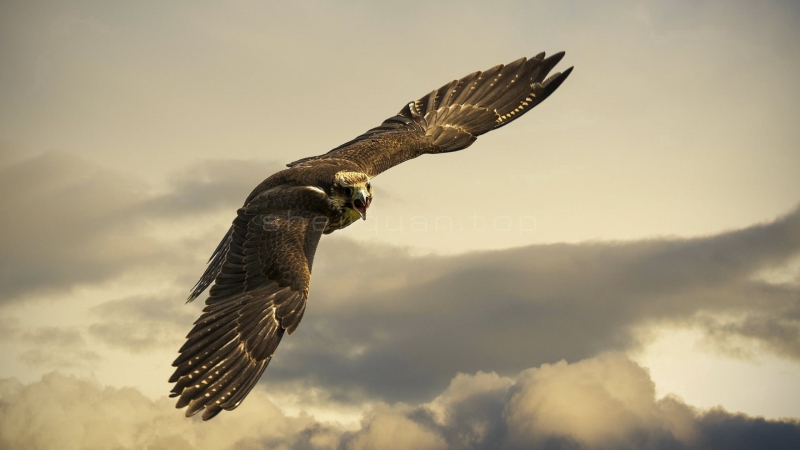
x=618 y=269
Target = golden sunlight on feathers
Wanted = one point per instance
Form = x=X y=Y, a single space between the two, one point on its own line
x=260 y=272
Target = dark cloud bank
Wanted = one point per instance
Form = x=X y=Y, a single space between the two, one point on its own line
x=398 y=327
x=66 y=221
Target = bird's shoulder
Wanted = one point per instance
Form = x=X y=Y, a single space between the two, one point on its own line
x=317 y=174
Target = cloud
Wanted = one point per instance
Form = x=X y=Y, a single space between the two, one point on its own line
x=776 y=330
x=603 y=402
x=48 y=358
x=383 y=324
x=209 y=184
x=721 y=430
x=55 y=347
x=48 y=347
x=54 y=337
x=67 y=221
x=9 y=328
x=470 y=410
x=68 y=412
x=384 y=428
x=140 y=324
x=397 y=327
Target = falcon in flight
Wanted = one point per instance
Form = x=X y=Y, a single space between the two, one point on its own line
x=259 y=273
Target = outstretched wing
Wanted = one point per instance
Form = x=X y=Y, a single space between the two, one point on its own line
x=261 y=273
x=453 y=116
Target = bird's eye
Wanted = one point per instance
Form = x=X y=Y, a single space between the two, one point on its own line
x=348 y=191
x=369 y=186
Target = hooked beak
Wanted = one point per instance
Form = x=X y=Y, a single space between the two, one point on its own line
x=361 y=203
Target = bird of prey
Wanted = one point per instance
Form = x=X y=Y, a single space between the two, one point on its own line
x=261 y=270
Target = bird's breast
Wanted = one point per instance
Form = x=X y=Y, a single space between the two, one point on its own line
x=341 y=219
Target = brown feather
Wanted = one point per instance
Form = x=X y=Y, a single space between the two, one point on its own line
x=260 y=272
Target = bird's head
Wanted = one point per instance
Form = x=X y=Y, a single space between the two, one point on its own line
x=352 y=193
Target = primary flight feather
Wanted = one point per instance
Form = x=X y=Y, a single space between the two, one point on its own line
x=260 y=271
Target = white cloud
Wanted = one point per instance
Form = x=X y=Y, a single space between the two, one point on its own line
x=599 y=402
x=384 y=428
x=602 y=402
x=64 y=412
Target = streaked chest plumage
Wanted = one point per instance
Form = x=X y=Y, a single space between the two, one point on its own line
x=341 y=219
